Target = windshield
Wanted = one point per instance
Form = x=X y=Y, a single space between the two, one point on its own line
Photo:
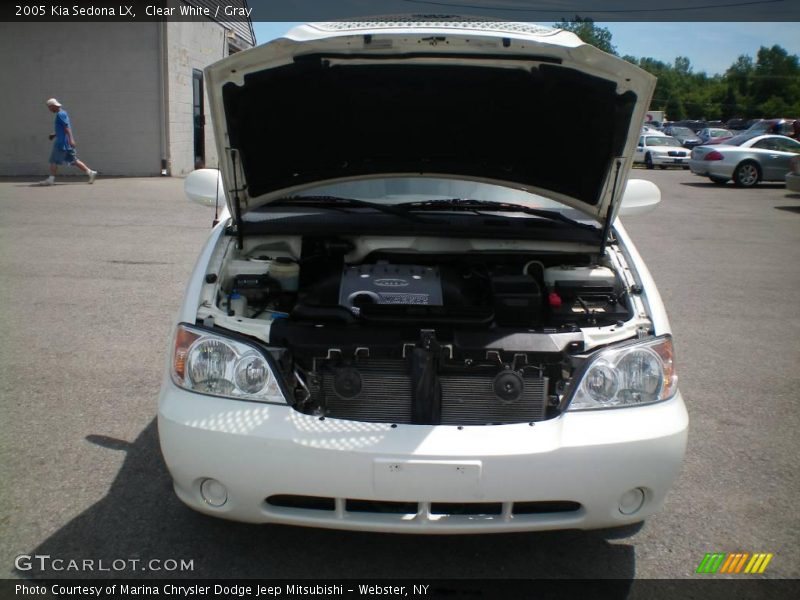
x=714 y=133
x=662 y=141
x=759 y=126
x=739 y=139
x=401 y=190
x=682 y=131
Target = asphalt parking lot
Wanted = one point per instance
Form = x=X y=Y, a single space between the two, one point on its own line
x=90 y=277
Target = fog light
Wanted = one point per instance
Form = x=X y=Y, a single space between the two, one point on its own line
x=631 y=501
x=213 y=492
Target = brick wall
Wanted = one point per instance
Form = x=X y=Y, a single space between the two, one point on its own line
x=190 y=46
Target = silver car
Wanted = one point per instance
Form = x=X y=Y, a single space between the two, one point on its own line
x=745 y=159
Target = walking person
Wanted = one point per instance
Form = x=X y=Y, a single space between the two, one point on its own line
x=63 y=152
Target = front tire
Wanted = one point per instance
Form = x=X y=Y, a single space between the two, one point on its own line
x=747 y=174
x=648 y=161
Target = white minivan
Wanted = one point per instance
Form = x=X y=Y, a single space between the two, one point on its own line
x=416 y=314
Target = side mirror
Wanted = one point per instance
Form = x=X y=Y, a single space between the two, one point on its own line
x=204 y=186
x=640 y=197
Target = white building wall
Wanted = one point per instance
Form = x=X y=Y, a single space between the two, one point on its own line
x=190 y=46
x=106 y=76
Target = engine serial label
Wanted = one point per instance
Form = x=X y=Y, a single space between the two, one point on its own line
x=395 y=298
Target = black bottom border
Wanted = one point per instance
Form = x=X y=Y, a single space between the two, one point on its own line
x=702 y=588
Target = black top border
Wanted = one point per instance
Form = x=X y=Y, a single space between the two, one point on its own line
x=540 y=11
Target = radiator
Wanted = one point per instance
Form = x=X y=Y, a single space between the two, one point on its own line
x=385 y=396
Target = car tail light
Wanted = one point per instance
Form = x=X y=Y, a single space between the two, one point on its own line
x=713 y=155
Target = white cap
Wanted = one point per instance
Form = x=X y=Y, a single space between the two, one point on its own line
x=53 y=102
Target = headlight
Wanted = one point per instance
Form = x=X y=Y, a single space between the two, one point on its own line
x=631 y=375
x=209 y=363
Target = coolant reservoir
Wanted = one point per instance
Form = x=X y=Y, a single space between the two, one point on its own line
x=597 y=275
x=287 y=272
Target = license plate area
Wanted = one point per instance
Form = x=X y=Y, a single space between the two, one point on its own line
x=426 y=479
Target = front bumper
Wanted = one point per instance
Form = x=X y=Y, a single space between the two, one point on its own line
x=259 y=451
x=675 y=161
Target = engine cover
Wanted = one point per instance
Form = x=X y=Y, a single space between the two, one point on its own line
x=384 y=283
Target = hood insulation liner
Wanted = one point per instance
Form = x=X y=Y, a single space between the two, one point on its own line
x=549 y=127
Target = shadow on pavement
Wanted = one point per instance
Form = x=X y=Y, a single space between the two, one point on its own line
x=141 y=517
x=711 y=184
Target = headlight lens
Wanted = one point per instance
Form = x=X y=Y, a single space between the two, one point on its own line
x=251 y=373
x=209 y=363
x=631 y=375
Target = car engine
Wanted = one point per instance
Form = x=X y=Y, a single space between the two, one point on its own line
x=403 y=337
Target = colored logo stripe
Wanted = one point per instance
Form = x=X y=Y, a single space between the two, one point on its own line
x=758 y=563
x=711 y=562
x=734 y=562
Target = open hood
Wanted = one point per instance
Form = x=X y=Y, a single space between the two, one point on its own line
x=514 y=104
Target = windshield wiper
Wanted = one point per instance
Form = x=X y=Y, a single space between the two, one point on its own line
x=338 y=202
x=489 y=206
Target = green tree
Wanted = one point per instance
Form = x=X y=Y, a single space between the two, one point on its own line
x=775 y=86
x=740 y=74
x=767 y=86
x=590 y=33
x=682 y=66
x=674 y=109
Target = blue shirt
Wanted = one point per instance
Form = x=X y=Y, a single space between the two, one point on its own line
x=61 y=124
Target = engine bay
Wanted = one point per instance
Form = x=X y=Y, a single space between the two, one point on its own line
x=384 y=332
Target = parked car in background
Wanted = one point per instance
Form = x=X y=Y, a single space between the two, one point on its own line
x=684 y=135
x=745 y=159
x=650 y=130
x=714 y=135
x=339 y=362
x=775 y=126
x=661 y=150
x=793 y=176
x=693 y=124
x=739 y=124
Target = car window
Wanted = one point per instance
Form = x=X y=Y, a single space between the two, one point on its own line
x=739 y=139
x=641 y=141
x=787 y=145
x=662 y=140
x=765 y=144
x=759 y=126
